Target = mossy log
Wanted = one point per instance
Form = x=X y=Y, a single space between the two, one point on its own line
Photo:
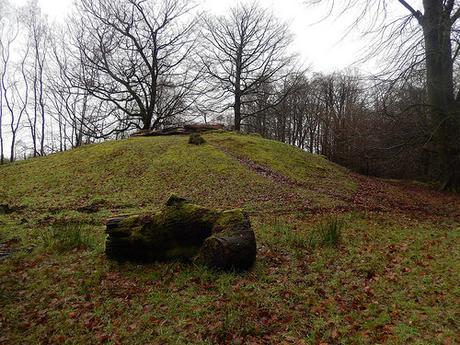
x=232 y=243
x=184 y=231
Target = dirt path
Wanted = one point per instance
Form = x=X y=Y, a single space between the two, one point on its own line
x=273 y=175
x=373 y=194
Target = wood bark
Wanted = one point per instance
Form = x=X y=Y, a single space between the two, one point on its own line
x=437 y=29
x=221 y=240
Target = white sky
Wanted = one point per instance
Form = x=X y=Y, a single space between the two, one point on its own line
x=320 y=45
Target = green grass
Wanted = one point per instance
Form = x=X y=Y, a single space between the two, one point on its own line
x=143 y=172
x=383 y=284
x=71 y=236
x=350 y=278
x=330 y=232
x=316 y=172
x=327 y=233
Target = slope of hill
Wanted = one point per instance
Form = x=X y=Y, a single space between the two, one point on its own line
x=342 y=258
x=231 y=170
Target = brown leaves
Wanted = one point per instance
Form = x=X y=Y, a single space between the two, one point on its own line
x=401 y=197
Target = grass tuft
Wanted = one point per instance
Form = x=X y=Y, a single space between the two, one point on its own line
x=62 y=238
x=196 y=139
x=330 y=232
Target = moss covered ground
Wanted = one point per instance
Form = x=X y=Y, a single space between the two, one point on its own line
x=387 y=273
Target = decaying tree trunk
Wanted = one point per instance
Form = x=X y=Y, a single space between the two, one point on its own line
x=184 y=231
x=232 y=245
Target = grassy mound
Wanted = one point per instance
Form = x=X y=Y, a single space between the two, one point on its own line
x=143 y=172
x=341 y=258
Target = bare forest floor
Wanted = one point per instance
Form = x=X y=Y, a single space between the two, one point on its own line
x=389 y=275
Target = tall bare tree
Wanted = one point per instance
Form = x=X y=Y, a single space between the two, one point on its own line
x=37 y=35
x=7 y=37
x=21 y=92
x=71 y=106
x=134 y=54
x=242 y=52
x=427 y=36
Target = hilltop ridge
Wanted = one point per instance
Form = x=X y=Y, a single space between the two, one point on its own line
x=230 y=170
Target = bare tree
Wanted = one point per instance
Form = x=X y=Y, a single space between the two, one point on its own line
x=71 y=106
x=40 y=50
x=21 y=90
x=10 y=89
x=134 y=54
x=37 y=32
x=242 y=52
x=7 y=37
x=3 y=72
x=426 y=37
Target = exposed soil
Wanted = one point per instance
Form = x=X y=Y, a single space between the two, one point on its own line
x=373 y=194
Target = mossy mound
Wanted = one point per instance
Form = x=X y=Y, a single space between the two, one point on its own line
x=139 y=174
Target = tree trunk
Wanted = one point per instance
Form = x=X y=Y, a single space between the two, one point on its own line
x=237 y=104
x=184 y=231
x=13 y=142
x=42 y=112
x=2 y=158
x=437 y=28
x=237 y=107
x=232 y=245
x=33 y=127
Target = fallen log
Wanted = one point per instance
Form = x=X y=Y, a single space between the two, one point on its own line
x=186 y=129
x=232 y=244
x=184 y=231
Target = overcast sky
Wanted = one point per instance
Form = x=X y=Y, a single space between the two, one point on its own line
x=320 y=46
x=320 y=43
